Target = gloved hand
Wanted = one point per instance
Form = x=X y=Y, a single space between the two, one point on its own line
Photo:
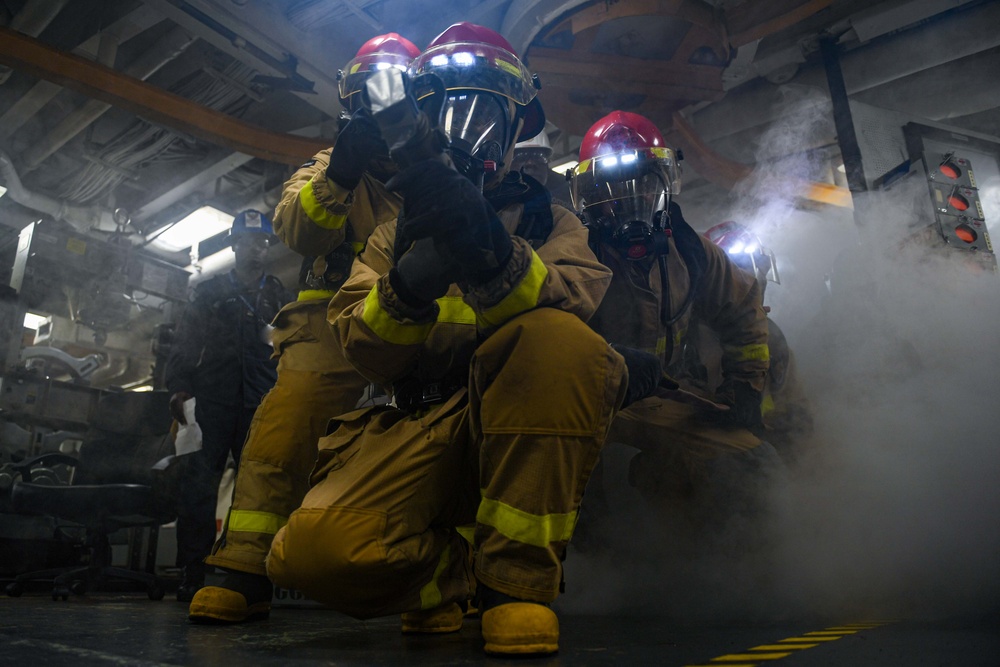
x=644 y=373
x=441 y=203
x=358 y=142
x=744 y=404
x=421 y=274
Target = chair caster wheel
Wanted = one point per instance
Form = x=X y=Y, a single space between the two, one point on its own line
x=60 y=592
x=78 y=588
x=14 y=590
x=155 y=592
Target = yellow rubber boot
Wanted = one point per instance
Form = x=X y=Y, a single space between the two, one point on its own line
x=520 y=628
x=439 y=620
x=240 y=598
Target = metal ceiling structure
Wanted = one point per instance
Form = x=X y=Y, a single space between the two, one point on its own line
x=161 y=106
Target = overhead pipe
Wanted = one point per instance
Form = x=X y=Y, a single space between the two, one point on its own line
x=81 y=218
x=33 y=18
x=162 y=52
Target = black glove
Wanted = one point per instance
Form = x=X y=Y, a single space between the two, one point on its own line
x=358 y=142
x=744 y=404
x=645 y=371
x=421 y=275
x=441 y=203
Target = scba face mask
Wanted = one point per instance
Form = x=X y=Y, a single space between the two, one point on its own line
x=626 y=196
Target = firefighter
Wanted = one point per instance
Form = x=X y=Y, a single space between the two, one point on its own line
x=665 y=276
x=531 y=158
x=328 y=209
x=222 y=358
x=472 y=309
x=786 y=412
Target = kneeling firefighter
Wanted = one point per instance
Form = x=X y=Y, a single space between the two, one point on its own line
x=328 y=208
x=785 y=408
x=472 y=308
x=666 y=275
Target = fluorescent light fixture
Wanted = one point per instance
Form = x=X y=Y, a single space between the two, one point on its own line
x=33 y=320
x=188 y=232
x=563 y=166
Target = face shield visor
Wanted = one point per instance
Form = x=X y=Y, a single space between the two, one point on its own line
x=351 y=81
x=476 y=66
x=626 y=187
x=750 y=255
x=478 y=126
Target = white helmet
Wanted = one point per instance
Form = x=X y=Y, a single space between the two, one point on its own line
x=539 y=142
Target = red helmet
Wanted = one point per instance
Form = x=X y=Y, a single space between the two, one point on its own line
x=388 y=50
x=626 y=173
x=478 y=60
x=745 y=249
x=617 y=132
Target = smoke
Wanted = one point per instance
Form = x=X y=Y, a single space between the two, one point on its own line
x=891 y=508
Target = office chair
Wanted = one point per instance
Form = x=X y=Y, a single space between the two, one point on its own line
x=124 y=477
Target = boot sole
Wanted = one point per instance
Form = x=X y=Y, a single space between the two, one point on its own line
x=215 y=616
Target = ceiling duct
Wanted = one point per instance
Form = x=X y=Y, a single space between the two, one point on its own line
x=81 y=218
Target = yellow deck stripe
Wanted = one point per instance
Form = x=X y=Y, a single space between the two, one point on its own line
x=786 y=647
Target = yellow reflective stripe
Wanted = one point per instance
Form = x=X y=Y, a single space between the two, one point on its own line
x=678 y=335
x=468 y=533
x=249 y=521
x=357 y=246
x=522 y=298
x=767 y=404
x=316 y=211
x=538 y=530
x=661 y=346
x=388 y=329
x=314 y=294
x=755 y=352
x=430 y=594
x=455 y=311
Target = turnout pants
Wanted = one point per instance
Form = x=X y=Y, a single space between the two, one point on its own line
x=376 y=535
x=688 y=463
x=315 y=382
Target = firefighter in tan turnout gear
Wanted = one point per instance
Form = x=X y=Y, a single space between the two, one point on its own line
x=473 y=309
x=328 y=209
x=666 y=275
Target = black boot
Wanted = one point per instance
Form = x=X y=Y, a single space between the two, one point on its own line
x=194 y=580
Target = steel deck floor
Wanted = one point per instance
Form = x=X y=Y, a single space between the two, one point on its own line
x=127 y=629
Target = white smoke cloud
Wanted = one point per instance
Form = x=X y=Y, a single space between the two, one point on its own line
x=894 y=508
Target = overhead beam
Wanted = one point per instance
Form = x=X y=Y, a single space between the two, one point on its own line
x=756 y=19
x=606 y=67
x=152 y=103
